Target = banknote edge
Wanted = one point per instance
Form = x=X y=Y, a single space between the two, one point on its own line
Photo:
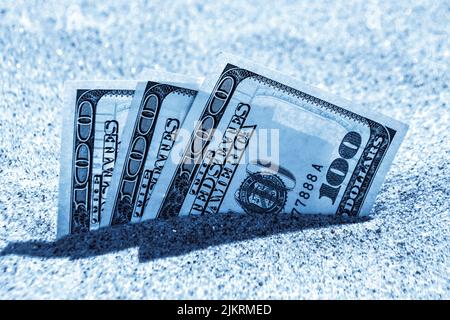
x=171 y=78
x=63 y=219
x=226 y=58
x=382 y=172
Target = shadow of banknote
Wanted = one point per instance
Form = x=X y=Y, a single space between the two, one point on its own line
x=162 y=238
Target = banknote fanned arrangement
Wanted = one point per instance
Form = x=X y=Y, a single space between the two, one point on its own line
x=245 y=139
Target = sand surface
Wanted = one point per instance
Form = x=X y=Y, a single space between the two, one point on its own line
x=391 y=57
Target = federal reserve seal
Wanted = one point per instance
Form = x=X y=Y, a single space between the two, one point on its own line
x=263 y=191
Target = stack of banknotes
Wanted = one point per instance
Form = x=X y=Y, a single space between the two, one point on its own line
x=246 y=139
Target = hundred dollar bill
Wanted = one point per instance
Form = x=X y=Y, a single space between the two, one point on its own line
x=263 y=142
x=94 y=116
x=157 y=112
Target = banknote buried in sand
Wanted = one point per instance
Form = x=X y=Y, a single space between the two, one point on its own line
x=246 y=140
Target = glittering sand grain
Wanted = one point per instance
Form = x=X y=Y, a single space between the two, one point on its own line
x=391 y=57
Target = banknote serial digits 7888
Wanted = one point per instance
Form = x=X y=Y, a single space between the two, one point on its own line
x=251 y=140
